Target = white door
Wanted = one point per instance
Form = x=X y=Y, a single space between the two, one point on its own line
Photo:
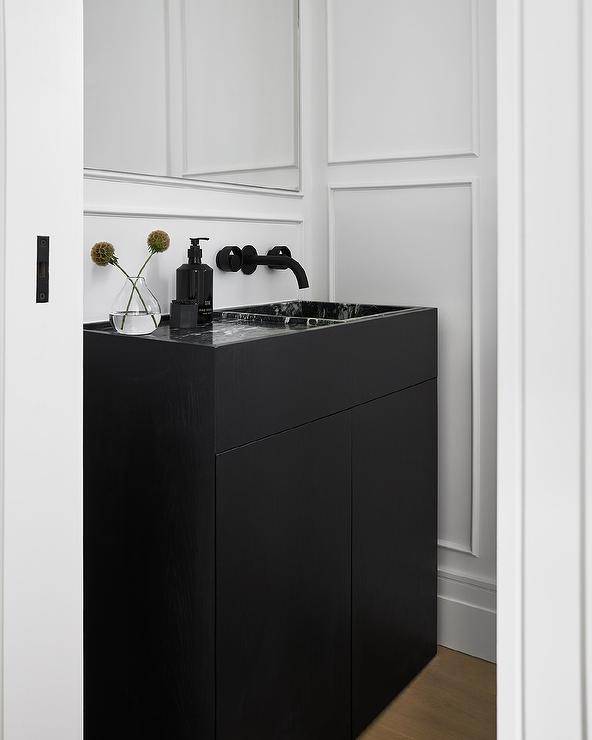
x=41 y=363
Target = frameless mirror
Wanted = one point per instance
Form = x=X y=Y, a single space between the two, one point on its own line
x=196 y=89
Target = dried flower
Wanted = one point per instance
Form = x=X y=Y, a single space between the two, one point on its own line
x=158 y=241
x=103 y=253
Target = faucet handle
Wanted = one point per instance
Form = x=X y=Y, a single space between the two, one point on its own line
x=229 y=259
x=249 y=259
x=279 y=252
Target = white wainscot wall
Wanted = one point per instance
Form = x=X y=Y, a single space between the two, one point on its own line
x=422 y=262
x=127 y=230
x=415 y=59
x=412 y=221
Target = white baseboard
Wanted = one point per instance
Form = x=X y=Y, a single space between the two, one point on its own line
x=466 y=614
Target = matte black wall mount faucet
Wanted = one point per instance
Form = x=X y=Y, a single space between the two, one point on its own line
x=233 y=259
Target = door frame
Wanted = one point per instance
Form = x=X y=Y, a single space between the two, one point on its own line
x=544 y=344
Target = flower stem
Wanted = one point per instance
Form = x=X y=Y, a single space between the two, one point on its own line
x=134 y=287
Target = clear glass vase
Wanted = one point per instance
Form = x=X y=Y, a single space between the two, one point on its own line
x=135 y=309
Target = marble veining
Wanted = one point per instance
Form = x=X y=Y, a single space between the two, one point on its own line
x=278 y=319
x=247 y=323
x=220 y=332
x=313 y=311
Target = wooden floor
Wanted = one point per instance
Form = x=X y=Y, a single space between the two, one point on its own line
x=452 y=699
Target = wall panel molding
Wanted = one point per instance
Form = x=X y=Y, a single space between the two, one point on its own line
x=114 y=212
x=244 y=169
x=471 y=546
x=485 y=584
x=473 y=150
x=179 y=182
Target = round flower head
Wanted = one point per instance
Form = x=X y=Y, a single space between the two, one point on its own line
x=158 y=241
x=103 y=254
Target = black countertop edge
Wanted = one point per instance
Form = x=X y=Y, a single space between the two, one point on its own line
x=275 y=329
x=102 y=325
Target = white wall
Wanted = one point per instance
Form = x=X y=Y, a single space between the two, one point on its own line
x=418 y=55
x=123 y=209
x=412 y=221
x=41 y=443
x=128 y=232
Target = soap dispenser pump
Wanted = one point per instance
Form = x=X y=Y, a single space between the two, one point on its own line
x=193 y=304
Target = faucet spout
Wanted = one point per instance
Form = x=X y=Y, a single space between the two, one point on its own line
x=278 y=258
x=298 y=271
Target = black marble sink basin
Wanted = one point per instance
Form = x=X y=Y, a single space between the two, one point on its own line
x=312 y=313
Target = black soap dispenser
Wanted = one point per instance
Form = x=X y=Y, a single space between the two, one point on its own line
x=194 y=302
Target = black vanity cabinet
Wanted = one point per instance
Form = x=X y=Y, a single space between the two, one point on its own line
x=394 y=461
x=260 y=527
x=283 y=529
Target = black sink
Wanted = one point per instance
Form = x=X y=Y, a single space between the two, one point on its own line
x=313 y=313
